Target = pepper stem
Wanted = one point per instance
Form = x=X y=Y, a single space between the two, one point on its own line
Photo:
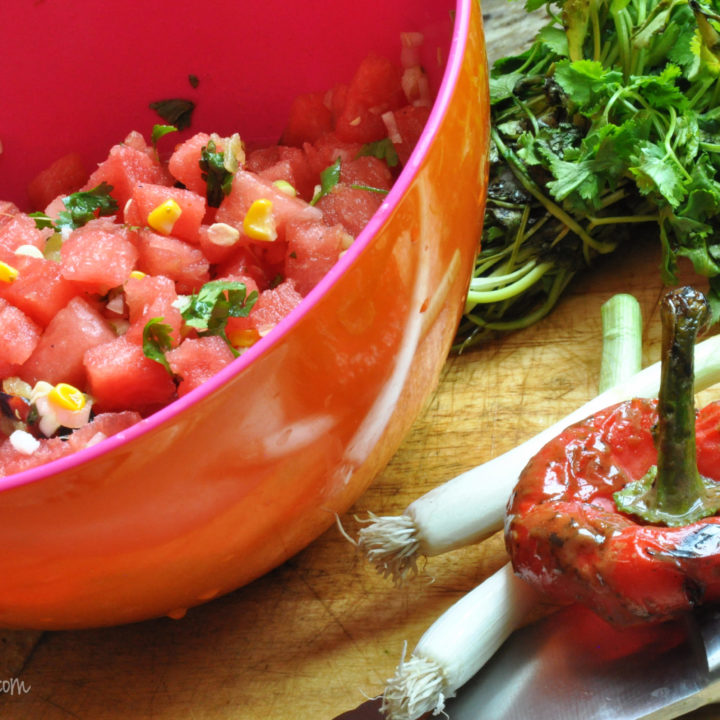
x=673 y=492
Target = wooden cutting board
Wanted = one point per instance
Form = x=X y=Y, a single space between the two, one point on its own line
x=319 y=634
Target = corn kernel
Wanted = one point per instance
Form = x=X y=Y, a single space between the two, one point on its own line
x=286 y=187
x=259 y=223
x=137 y=274
x=163 y=218
x=67 y=397
x=243 y=338
x=8 y=274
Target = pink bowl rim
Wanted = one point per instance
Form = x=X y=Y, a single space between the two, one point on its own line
x=439 y=109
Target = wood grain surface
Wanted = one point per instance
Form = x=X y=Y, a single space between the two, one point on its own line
x=318 y=635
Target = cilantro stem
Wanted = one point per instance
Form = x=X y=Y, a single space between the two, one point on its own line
x=554 y=209
x=618 y=219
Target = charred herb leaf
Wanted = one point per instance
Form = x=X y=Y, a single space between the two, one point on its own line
x=215 y=173
x=209 y=310
x=175 y=111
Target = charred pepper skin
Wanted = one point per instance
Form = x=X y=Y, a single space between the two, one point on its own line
x=567 y=538
x=618 y=511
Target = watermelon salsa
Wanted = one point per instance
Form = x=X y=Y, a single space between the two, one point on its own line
x=128 y=287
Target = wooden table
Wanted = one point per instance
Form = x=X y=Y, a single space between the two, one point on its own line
x=320 y=633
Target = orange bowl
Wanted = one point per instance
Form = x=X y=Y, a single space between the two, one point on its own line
x=234 y=478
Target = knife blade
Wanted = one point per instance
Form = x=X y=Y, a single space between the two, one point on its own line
x=574 y=665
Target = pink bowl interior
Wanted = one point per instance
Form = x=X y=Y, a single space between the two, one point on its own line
x=251 y=60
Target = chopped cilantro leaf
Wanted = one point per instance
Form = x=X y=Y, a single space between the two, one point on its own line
x=369 y=188
x=159 y=131
x=209 y=310
x=329 y=178
x=217 y=177
x=157 y=340
x=381 y=149
x=80 y=208
x=175 y=111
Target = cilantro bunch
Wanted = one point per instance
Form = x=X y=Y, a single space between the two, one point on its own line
x=606 y=126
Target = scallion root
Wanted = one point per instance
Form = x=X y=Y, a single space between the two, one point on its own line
x=418 y=687
x=391 y=545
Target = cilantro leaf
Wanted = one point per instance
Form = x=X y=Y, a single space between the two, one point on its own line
x=209 y=310
x=157 y=340
x=329 y=178
x=175 y=111
x=381 y=149
x=159 y=131
x=80 y=208
x=217 y=177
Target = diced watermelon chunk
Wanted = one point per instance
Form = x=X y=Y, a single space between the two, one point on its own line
x=146 y=197
x=19 y=335
x=328 y=149
x=244 y=262
x=351 y=207
x=120 y=377
x=410 y=122
x=184 y=163
x=173 y=258
x=13 y=461
x=58 y=356
x=247 y=188
x=375 y=88
x=20 y=229
x=313 y=248
x=151 y=297
x=197 y=360
x=104 y=424
x=64 y=177
x=271 y=307
x=309 y=119
x=40 y=289
x=99 y=256
x=124 y=168
x=367 y=170
x=284 y=163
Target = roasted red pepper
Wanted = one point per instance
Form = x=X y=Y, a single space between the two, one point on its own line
x=617 y=511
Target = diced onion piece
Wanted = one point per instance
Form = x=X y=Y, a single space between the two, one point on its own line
x=411 y=42
x=24 y=442
x=259 y=222
x=29 y=251
x=234 y=155
x=8 y=274
x=391 y=126
x=223 y=235
x=163 y=218
x=15 y=386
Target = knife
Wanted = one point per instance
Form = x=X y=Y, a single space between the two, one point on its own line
x=573 y=665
